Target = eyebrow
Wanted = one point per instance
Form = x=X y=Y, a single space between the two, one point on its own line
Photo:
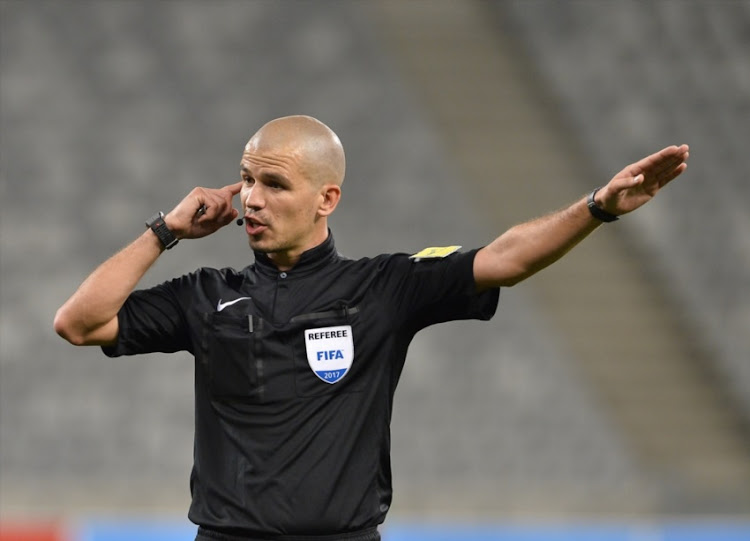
x=273 y=177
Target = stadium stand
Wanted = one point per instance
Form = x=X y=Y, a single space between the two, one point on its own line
x=645 y=75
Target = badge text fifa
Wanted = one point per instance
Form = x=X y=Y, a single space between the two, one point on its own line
x=330 y=354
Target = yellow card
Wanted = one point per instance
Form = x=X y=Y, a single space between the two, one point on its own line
x=435 y=252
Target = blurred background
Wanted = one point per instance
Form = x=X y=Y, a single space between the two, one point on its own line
x=613 y=388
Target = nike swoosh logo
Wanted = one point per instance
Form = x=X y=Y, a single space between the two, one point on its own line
x=222 y=305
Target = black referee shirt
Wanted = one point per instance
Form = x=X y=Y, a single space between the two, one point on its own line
x=294 y=379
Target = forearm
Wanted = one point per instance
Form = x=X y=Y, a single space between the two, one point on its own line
x=527 y=248
x=90 y=315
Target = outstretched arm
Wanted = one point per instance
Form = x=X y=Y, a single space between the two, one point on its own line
x=89 y=317
x=527 y=248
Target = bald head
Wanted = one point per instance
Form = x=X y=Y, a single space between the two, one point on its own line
x=315 y=146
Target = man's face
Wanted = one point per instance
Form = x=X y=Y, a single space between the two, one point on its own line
x=279 y=202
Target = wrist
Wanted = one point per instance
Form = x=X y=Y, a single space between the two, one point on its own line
x=153 y=239
x=597 y=210
x=172 y=224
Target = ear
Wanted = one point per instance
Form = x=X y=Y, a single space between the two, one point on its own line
x=329 y=198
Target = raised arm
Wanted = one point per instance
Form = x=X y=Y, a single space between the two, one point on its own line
x=527 y=248
x=89 y=317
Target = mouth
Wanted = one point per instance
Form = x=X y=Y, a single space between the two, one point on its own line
x=253 y=226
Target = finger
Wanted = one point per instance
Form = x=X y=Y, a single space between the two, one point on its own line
x=664 y=174
x=674 y=155
x=676 y=172
x=233 y=213
x=223 y=208
x=200 y=200
x=657 y=160
x=233 y=189
x=673 y=167
x=225 y=217
x=660 y=162
x=211 y=206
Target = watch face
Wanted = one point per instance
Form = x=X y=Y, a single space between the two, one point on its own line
x=156 y=217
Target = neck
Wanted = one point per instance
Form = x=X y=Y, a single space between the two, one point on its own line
x=285 y=260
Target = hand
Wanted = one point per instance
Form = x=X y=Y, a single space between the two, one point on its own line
x=635 y=185
x=185 y=220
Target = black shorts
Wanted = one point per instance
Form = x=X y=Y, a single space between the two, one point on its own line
x=207 y=534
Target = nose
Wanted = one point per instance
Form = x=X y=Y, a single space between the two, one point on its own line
x=253 y=198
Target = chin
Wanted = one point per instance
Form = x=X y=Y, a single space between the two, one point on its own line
x=255 y=245
x=261 y=246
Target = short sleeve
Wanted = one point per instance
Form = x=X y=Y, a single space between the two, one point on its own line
x=434 y=291
x=152 y=320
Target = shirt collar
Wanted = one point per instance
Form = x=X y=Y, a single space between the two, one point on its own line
x=311 y=260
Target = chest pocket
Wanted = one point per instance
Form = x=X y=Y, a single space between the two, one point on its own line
x=231 y=353
x=325 y=351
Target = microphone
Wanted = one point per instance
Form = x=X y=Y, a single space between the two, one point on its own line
x=240 y=221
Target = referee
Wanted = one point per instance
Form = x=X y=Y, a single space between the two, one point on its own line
x=298 y=355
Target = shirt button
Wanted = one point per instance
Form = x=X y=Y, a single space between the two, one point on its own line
x=282 y=275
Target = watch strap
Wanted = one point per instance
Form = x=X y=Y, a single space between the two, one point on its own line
x=598 y=212
x=159 y=227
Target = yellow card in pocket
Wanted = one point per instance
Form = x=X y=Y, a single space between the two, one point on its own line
x=435 y=252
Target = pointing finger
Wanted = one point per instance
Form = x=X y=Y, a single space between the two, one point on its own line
x=234 y=189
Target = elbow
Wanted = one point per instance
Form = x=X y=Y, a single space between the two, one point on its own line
x=65 y=328
x=492 y=269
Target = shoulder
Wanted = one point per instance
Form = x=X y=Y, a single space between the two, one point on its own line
x=390 y=268
x=207 y=277
x=376 y=263
x=426 y=259
x=421 y=259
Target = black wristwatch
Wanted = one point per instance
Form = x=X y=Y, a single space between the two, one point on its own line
x=598 y=212
x=157 y=225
